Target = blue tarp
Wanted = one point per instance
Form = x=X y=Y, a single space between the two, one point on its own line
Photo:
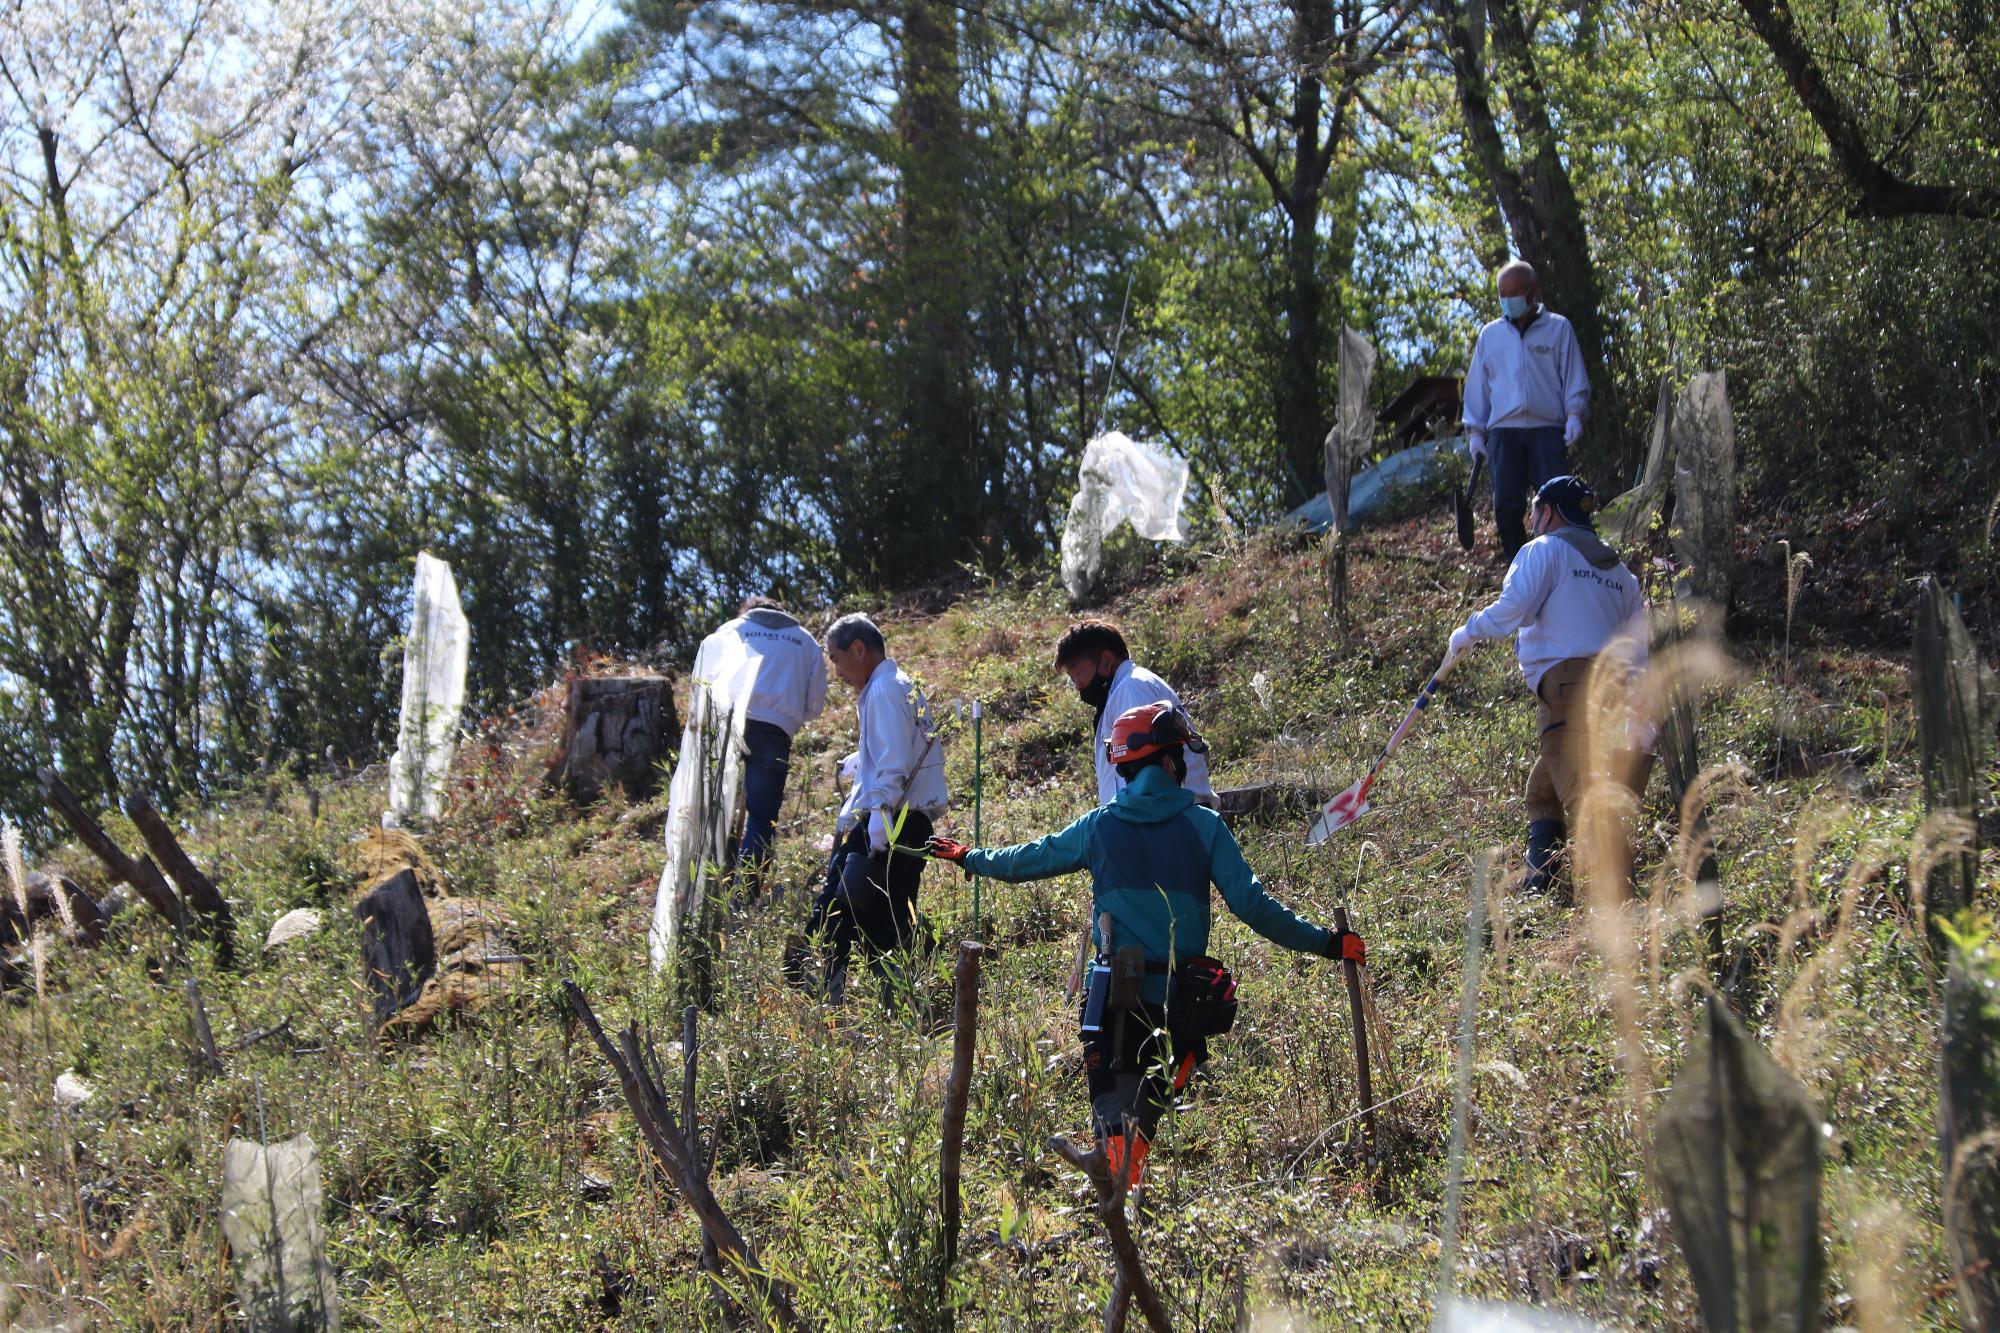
x=1372 y=487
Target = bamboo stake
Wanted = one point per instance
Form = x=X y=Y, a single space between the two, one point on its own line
x=1360 y=1017
x=965 y=1034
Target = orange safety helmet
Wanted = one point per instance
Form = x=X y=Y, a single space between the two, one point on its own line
x=1149 y=729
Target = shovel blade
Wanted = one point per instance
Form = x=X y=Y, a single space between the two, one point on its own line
x=1337 y=814
x=1463 y=503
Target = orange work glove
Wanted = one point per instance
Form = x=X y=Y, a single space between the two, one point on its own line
x=944 y=849
x=1346 y=945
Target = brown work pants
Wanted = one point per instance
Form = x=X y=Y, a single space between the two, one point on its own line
x=1557 y=782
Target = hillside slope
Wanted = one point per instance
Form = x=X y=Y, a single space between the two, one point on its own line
x=486 y=1173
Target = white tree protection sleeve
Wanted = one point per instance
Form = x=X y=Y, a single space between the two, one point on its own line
x=1120 y=479
x=707 y=783
x=434 y=660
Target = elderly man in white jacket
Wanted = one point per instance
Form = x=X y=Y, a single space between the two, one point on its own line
x=899 y=791
x=1573 y=608
x=1526 y=395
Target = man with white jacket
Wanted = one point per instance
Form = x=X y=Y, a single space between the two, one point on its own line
x=1574 y=609
x=1092 y=653
x=766 y=651
x=1526 y=395
x=899 y=791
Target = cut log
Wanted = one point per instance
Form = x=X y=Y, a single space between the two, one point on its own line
x=142 y=874
x=43 y=906
x=1266 y=802
x=617 y=729
x=398 y=951
x=199 y=891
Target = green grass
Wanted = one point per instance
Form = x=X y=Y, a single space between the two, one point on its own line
x=487 y=1173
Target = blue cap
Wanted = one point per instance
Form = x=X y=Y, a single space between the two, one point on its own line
x=1572 y=498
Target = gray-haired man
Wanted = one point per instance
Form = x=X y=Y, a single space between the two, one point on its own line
x=1527 y=392
x=899 y=790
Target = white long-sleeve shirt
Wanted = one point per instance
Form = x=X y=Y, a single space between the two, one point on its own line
x=1132 y=685
x=898 y=758
x=789 y=686
x=1521 y=379
x=1565 y=604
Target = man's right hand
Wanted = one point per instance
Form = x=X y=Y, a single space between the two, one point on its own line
x=1478 y=438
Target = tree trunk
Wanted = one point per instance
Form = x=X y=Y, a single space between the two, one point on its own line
x=935 y=506
x=1301 y=404
x=1553 y=220
x=617 y=729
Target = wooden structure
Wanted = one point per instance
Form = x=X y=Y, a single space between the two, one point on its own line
x=1430 y=400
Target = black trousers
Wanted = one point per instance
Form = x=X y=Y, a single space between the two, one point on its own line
x=871 y=895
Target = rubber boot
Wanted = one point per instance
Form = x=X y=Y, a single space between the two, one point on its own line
x=1545 y=837
x=1121 y=1162
x=792 y=963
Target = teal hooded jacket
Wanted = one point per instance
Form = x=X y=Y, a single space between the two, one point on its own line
x=1152 y=854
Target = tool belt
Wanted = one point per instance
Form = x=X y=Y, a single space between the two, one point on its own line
x=1118 y=1026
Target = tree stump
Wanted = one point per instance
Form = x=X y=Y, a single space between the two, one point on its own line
x=398 y=951
x=617 y=729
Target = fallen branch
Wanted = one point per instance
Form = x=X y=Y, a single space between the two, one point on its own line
x=1131 y=1274
x=144 y=877
x=198 y=889
x=965 y=1033
x=682 y=1157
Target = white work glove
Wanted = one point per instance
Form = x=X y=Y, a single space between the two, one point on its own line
x=1572 y=430
x=850 y=766
x=878 y=831
x=1461 y=642
x=1478 y=438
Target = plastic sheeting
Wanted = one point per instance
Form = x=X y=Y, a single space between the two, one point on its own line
x=1969 y=1129
x=1373 y=487
x=1121 y=479
x=1956 y=699
x=1629 y=516
x=271 y=1205
x=434 y=661
x=1703 y=440
x=1353 y=426
x=1736 y=1146
x=708 y=779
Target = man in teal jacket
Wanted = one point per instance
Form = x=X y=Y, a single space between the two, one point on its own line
x=1152 y=854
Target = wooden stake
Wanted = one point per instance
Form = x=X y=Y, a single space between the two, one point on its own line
x=965 y=1034
x=1353 y=971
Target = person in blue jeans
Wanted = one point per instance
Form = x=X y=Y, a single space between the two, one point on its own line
x=1526 y=396
x=787 y=681
x=1153 y=854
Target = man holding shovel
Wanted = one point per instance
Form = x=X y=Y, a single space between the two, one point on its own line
x=1575 y=609
x=1155 y=997
x=1526 y=395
